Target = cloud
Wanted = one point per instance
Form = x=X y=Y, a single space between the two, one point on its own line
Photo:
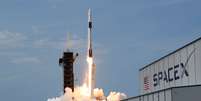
x=36 y=29
x=55 y=3
x=169 y=2
x=59 y=44
x=26 y=60
x=46 y=43
x=18 y=40
x=11 y=39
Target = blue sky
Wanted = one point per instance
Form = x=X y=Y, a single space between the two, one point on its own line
x=128 y=34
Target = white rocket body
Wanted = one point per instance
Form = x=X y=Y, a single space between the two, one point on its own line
x=90 y=53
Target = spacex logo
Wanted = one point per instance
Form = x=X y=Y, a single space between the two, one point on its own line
x=167 y=76
x=175 y=72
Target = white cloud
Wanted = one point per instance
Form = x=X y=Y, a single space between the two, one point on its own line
x=35 y=29
x=55 y=3
x=59 y=44
x=25 y=60
x=11 y=39
x=46 y=43
x=17 y=40
x=169 y=2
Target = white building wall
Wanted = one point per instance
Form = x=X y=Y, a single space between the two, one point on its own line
x=168 y=95
x=191 y=64
x=166 y=64
x=172 y=66
x=188 y=93
x=198 y=61
x=151 y=97
x=164 y=95
x=184 y=53
x=177 y=61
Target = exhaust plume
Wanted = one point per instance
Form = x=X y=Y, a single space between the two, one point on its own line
x=80 y=95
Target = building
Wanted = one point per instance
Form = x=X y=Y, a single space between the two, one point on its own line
x=184 y=93
x=174 y=77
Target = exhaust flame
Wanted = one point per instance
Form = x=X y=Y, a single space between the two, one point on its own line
x=90 y=66
x=84 y=90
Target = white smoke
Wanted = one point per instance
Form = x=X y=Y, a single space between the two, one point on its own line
x=66 y=97
x=98 y=94
x=79 y=95
x=116 y=96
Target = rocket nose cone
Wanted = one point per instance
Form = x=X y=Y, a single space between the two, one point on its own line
x=89 y=15
x=89 y=11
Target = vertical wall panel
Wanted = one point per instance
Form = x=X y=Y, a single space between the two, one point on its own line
x=198 y=61
x=151 y=97
x=142 y=81
x=191 y=64
x=168 y=95
x=192 y=93
x=183 y=60
x=141 y=98
x=145 y=98
x=156 y=97
x=137 y=99
x=160 y=69
x=133 y=99
x=156 y=70
x=171 y=65
x=145 y=75
x=162 y=96
x=177 y=62
x=151 y=78
x=166 y=65
x=149 y=75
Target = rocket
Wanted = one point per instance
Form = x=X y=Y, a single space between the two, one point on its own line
x=90 y=53
x=92 y=71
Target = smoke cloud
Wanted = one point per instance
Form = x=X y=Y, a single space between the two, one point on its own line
x=79 y=94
